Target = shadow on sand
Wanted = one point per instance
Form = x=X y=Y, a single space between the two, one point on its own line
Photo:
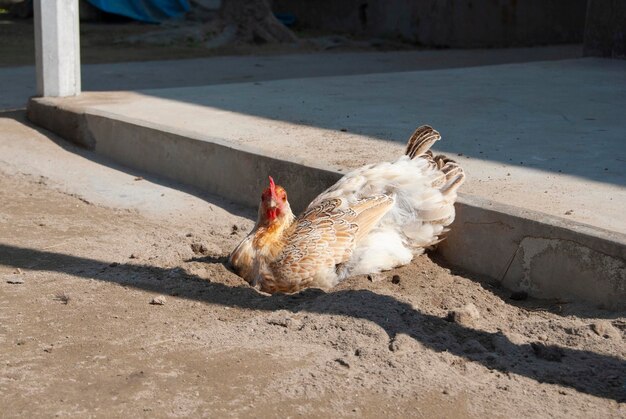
x=544 y=363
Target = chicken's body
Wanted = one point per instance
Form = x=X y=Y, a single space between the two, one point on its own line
x=373 y=219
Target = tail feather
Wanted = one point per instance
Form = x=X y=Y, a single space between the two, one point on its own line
x=442 y=160
x=422 y=139
x=450 y=168
x=419 y=146
x=455 y=176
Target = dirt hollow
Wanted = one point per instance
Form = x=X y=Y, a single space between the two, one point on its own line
x=79 y=336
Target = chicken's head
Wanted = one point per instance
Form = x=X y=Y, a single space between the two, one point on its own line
x=274 y=204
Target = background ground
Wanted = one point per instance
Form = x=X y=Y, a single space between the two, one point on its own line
x=86 y=246
x=109 y=42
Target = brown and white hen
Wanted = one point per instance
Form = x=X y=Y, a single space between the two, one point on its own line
x=373 y=219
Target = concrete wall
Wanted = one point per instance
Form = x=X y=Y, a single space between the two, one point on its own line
x=605 y=29
x=447 y=23
x=543 y=255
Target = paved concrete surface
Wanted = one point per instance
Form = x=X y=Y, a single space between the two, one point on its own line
x=560 y=121
x=17 y=84
x=548 y=137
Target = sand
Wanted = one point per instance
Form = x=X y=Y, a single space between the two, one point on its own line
x=80 y=334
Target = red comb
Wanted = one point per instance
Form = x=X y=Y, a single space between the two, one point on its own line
x=272 y=186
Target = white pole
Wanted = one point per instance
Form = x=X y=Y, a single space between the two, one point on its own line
x=57 y=47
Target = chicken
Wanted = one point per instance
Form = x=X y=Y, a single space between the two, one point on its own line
x=373 y=219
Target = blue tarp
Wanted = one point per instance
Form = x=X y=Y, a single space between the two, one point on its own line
x=152 y=11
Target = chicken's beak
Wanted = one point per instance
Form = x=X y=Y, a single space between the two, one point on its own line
x=272 y=209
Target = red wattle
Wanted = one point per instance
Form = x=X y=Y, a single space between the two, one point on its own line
x=272 y=213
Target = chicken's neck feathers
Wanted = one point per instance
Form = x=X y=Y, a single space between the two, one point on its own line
x=269 y=239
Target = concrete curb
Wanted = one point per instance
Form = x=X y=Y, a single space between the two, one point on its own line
x=524 y=250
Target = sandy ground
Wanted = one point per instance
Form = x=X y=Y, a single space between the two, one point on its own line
x=85 y=246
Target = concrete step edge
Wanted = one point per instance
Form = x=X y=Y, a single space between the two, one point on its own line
x=523 y=250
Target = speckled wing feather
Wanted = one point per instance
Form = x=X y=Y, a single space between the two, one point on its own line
x=324 y=237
